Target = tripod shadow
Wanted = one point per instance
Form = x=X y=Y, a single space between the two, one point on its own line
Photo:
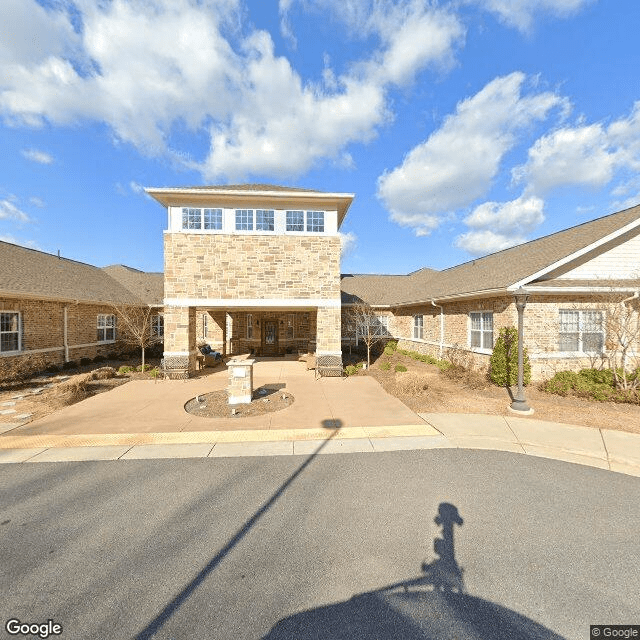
x=430 y=607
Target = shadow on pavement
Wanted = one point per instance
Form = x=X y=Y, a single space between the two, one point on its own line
x=430 y=607
x=170 y=609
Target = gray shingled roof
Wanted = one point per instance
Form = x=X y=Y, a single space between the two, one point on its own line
x=496 y=271
x=30 y=273
x=149 y=287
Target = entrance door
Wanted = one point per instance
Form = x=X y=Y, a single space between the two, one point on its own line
x=270 y=338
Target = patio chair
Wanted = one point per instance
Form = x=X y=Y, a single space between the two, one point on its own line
x=329 y=366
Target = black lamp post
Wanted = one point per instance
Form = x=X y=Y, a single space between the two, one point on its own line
x=519 y=403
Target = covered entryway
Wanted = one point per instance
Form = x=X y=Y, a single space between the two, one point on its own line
x=269 y=344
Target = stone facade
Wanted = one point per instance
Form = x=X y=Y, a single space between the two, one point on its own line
x=251 y=267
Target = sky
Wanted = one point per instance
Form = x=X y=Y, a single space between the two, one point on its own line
x=462 y=127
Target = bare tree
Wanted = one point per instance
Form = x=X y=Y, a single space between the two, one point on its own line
x=622 y=327
x=135 y=326
x=368 y=326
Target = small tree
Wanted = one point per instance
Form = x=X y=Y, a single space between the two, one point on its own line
x=503 y=365
x=622 y=327
x=368 y=327
x=135 y=327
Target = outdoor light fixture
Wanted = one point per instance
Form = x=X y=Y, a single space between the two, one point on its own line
x=519 y=403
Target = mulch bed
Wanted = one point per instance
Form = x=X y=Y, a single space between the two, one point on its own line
x=266 y=399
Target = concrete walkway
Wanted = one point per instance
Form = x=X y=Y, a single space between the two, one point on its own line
x=144 y=419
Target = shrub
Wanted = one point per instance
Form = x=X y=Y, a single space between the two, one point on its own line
x=154 y=373
x=85 y=361
x=351 y=370
x=594 y=384
x=70 y=365
x=104 y=373
x=73 y=391
x=52 y=368
x=412 y=384
x=20 y=369
x=503 y=366
x=99 y=359
x=400 y=368
x=147 y=367
x=390 y=347
x=385 y=366
x=124 y=369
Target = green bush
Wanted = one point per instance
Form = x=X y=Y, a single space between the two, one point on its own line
x=147 y=367
x=595 y=384
x=390 y=347
x=503 y=365
x=154 y=373
x=124 y=369
x=351 y=370
x=400 y=367
x=385 y=366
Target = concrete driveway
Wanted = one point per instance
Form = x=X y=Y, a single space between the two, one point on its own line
x=144 y=406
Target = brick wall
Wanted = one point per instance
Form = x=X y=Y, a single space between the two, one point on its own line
x=43 y=329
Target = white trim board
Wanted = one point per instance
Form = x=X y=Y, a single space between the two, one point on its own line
x=251 y=302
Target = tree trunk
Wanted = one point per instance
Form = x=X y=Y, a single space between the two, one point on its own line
x=143 y=359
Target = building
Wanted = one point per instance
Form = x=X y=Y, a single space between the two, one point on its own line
x=251 y=268
x=63 y=310
x=577 y=279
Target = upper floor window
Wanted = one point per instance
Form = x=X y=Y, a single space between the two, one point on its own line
x=315 y=221
x=581 y=331
x=295 y=220
x=106 y=328
x=244 y=219
x=418 y=326
x=481 y=335
x=194 y=218
x=264 y=220
x=9 y=331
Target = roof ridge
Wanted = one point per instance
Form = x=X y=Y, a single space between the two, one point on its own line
x=549 y=235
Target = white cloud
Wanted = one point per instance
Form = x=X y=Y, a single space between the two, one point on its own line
x=457 y=163
x=136 y=187
x=9 y=211
x=35 y=155
x=580 y=155
x=141 y=66
x=348 y=243
x=31 y=244
x=37 y=202
x=498 y=225
x=521 y=13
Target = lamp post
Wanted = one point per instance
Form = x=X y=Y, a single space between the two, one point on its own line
x=519 y=404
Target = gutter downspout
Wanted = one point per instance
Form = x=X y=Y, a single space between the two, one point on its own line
x=65 y=340
x=441 y=328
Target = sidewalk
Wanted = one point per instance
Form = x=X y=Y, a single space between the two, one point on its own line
x=143 y=419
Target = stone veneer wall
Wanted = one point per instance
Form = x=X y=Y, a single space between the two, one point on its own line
x=43 y=329
x=251 y=266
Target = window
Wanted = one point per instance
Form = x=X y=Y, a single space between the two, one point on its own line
x=383 y=325
x=295 y=220
x=191 y=218
x=315 y=221
x=106 y=328
x=205 y=325
x=264 y=220
x=581 y=331
x=481 y=330
x=201 y=218
x=157 y=326
x=418 y=326
x=290 y=324
x=9 y=331
x=249 y=326
x=213 y=219
x=244 y=219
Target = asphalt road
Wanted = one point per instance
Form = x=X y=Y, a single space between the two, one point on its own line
x=327 y=546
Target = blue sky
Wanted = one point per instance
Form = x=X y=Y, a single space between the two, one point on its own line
x=462 y=127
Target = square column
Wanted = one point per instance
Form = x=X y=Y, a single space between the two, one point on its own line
x=240 y=389
x=180 y=339
x=328 y=328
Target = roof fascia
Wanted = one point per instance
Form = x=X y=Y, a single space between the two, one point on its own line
x=488 y=293
x=599 y=290
x=36 y=296
x=576 y=254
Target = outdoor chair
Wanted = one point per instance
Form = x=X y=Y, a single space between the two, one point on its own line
x=328 y=366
